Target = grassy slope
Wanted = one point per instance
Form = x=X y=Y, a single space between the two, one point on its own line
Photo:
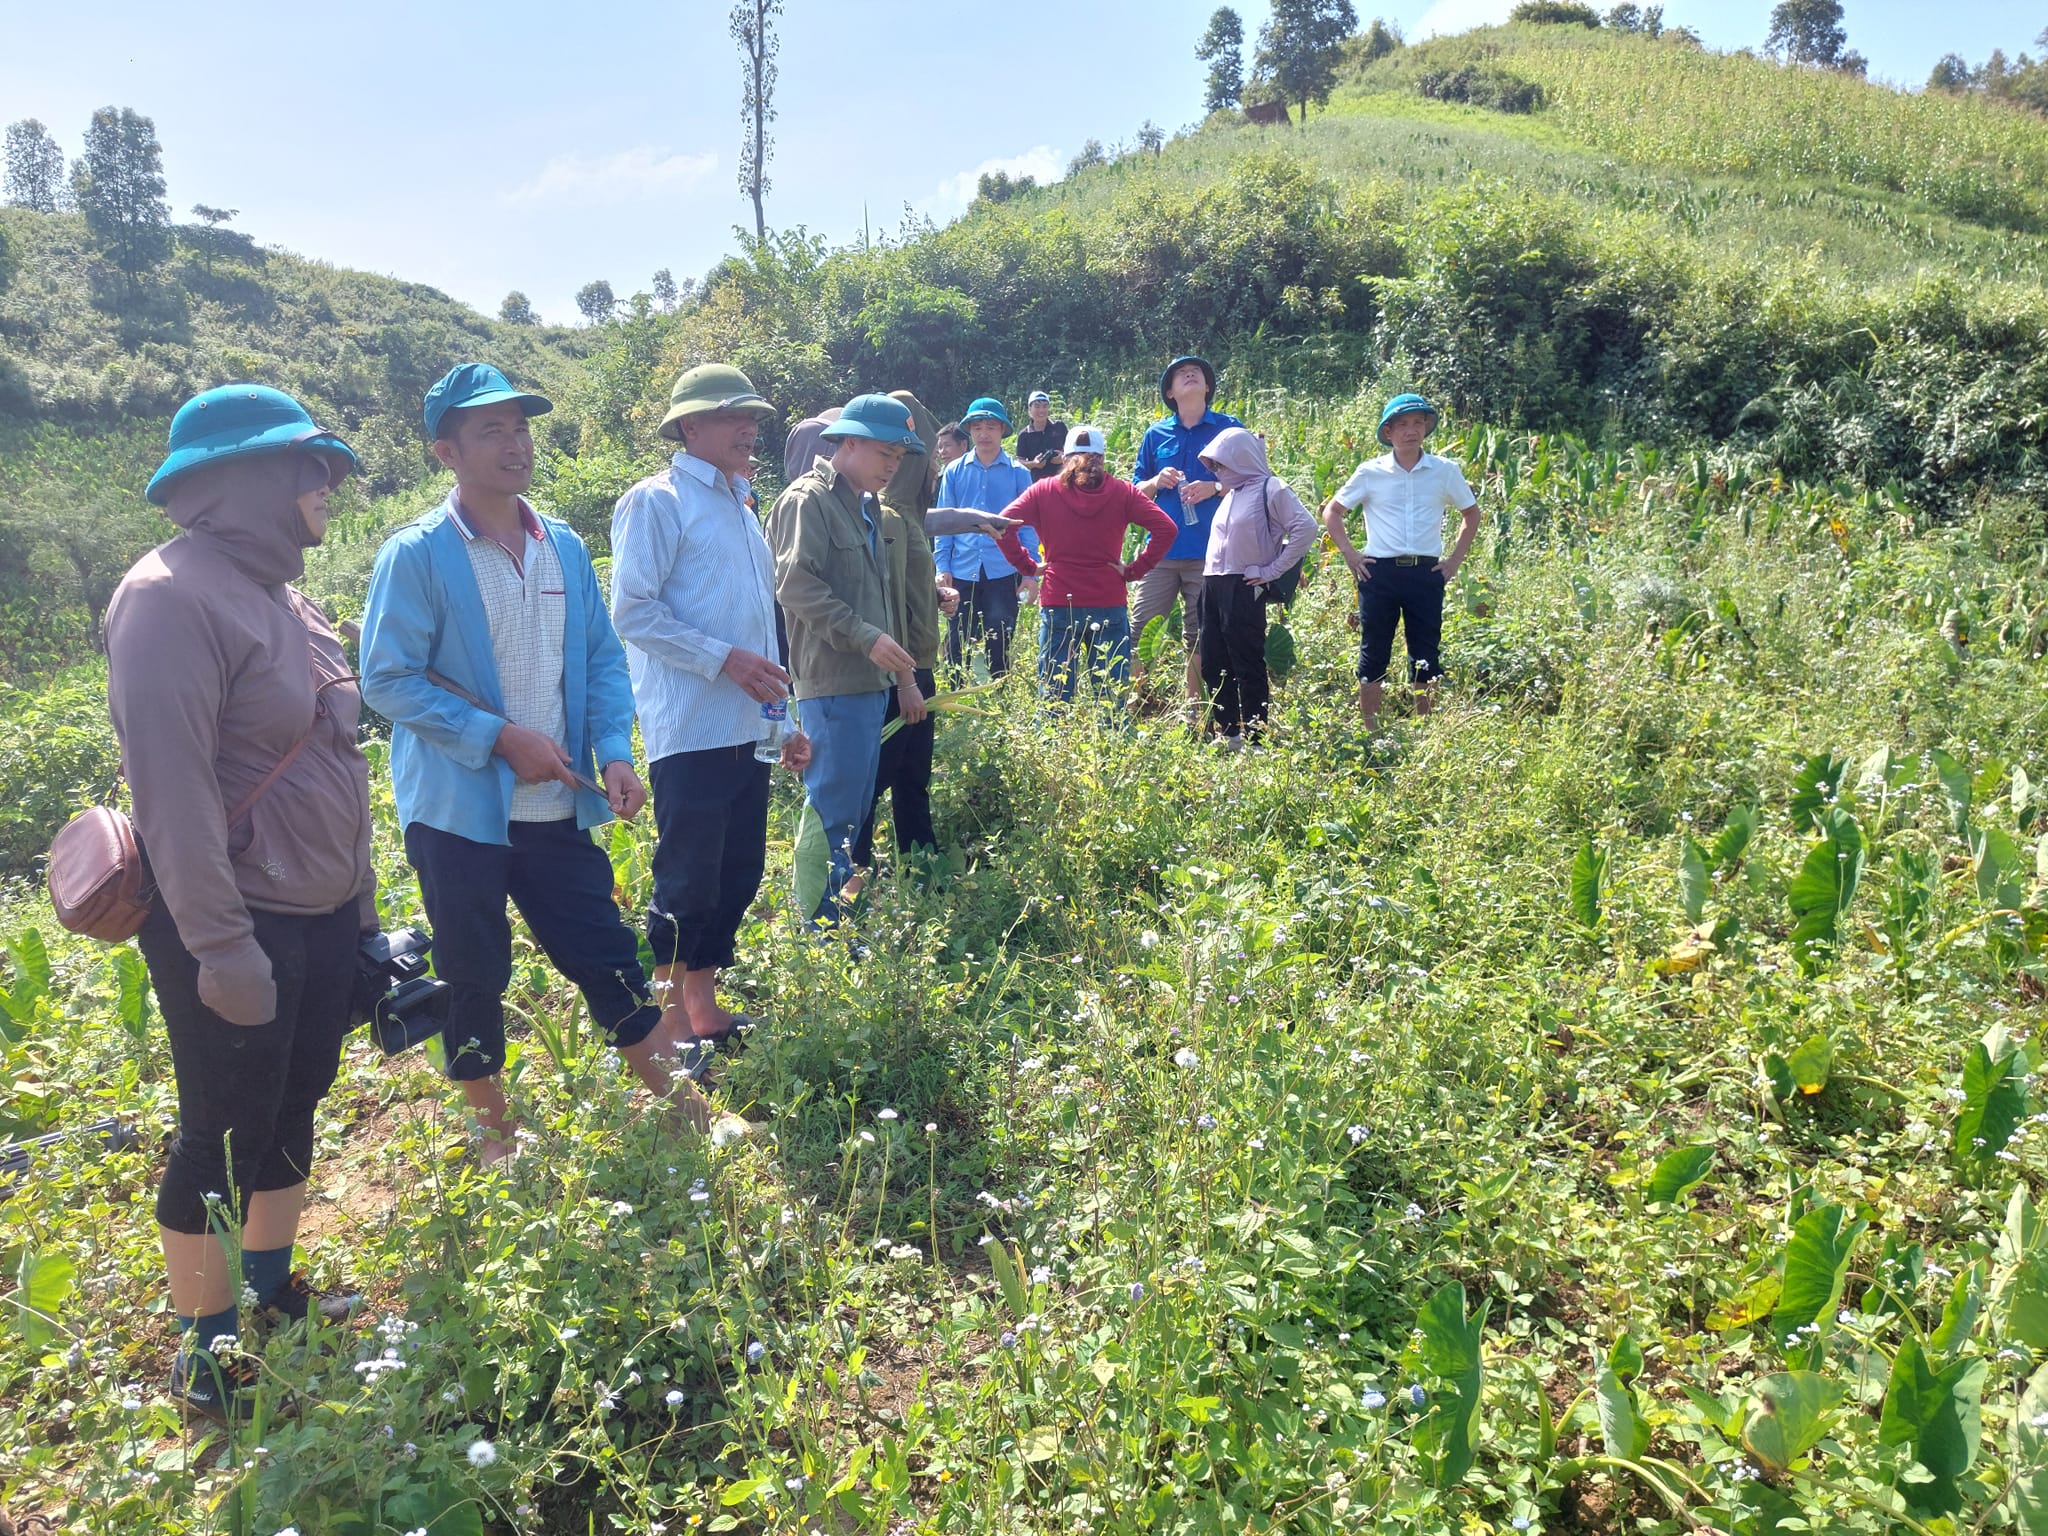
x=1410 y=1065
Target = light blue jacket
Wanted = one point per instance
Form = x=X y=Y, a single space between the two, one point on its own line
x=980 y=487
x=424 y=610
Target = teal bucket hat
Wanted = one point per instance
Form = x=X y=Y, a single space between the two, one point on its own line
x=876 y=417
x=1405 y=405
x=467 y=385
x=987 y=408
x=236 y=419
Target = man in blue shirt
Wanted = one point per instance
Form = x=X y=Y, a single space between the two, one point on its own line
x=986 y=480
x=1170 y=471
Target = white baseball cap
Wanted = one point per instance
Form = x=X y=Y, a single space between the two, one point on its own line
x=1086 y=440
x=1038 y=395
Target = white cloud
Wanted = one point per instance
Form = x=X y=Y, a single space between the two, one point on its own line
x=952 y=195
x=1448 y=16
x=632 y=175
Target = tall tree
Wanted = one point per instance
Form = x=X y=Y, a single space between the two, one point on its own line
x=119 y=187
x=517 y=310
x=1808 y=32
x=665 y=293
x=753 y=28
x=1151 y=137
x=35 y=168
x=213 y=219
x=1380 y=40
x=597 y=301
x=1222 y=49
x=1299 y=48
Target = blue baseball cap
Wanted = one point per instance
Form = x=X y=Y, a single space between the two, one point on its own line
x=236 y=419
x=987 y=409
x=877 y=417
x=1405 y=405
x=473 y=384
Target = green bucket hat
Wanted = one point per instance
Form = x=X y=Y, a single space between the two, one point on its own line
x=710 y=387
x=1405 y=405
x=877 y=417
x=237 y=419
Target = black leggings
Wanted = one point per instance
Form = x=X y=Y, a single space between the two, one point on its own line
x=252 y=1090
x=1234 y=656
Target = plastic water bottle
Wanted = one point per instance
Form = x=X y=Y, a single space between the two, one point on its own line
x=775 y=716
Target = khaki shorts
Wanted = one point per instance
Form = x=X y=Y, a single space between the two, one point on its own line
x=1156 y=591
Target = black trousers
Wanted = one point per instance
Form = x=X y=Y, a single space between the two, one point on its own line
x=711 y=814
x=1234 y=655
x=561 y=882
x=987 y=615
x=906 y=776
x=246 y=1096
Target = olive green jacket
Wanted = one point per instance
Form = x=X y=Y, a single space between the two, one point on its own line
x=833 y=585
x=912 y=574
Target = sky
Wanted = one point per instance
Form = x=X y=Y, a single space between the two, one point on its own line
x=485 y=148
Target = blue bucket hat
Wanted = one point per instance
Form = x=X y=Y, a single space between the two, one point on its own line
x=473 y=384
x=987 y=409
x=1405 y=405
x=1208 y=373
x=237 y=419
x=877 y=417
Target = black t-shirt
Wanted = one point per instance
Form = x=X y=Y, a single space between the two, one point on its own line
x=1031 y=442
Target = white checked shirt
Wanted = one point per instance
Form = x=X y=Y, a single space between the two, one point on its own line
x=692 y=578
x=1404 y=508
x=524 y=601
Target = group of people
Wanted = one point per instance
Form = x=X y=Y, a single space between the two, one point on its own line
x=512 y=687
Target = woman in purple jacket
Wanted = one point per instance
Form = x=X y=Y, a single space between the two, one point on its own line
x=1260 y=531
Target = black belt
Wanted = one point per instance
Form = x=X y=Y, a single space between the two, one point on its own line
x=1401 y=559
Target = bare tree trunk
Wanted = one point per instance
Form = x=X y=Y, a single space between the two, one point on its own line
x=759 y=63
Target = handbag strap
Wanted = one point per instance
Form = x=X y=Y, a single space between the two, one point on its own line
x=248 y=801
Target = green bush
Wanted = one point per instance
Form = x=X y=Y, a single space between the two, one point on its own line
x=57 y=756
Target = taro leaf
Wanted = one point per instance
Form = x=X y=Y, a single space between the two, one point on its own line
x=1824 y=887
x=1816 y=1264
x=131 y=978
x=1281 y=654
x=1900 y=1267
x=1626 y=1357
x=1449 y=1349
x=1589 y=870
x=1816 y=788
x=2022 y=798
x=1996 y=859
x=1880 y=770
x=42 y=1281
x=1792 y=1415
x=1810 y=1064
x=1151 y=639
x=1747 y=1305
x=438 y=1507
x=1959 y=1313
x=1042 y=1443
x=1693 y=883
x=813 y=862
x=2026 y=1304
x=2030 y=1449
x=31 y=974
x=1010 y=1277
x=1935 y=1412
x=1955 y=784
x=1779 y=1076
x=1623 y=1429
x=1678 y=1172
x=1737 y=832
x=1994 y=1100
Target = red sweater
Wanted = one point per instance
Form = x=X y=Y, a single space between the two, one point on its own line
x=1081 y=535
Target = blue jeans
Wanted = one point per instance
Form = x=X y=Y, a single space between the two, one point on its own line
x=1074 y=641
x=846 y=751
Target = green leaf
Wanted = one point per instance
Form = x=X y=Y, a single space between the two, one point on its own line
x=1737 y=833
x=1792 y=1415
x=1959 y=1313
x=31 y=974
x=1449 y=1349
x=1747 y=1305
x=1589 y=870
x=131 y=979
x=1936 y=1413
x=1623 y=1429
x=1810 y=1064
x=1693 y=881
x=1816 y=1265
x=812 y=862
x=2029 y=1441
x=1816 y=789
x=1994 y=1100
x=1678 y=1172
x=1824 y=887
x=1042 y=1443
x=41 y=1282
x=1997 y=862
x=1955 y=784
x=1281 y=655
x=1010 y=1277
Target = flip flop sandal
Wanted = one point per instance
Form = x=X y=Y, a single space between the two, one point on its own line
x=696 y=1057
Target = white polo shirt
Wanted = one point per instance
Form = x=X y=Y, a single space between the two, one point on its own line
x=1404 y=508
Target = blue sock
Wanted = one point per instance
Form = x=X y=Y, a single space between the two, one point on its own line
x=264 y=1271
x=205 y=1328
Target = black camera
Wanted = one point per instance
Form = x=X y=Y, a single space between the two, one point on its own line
x=394 y=995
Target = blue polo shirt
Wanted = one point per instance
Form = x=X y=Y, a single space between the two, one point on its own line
x=979 y=487
x=1167 y=443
